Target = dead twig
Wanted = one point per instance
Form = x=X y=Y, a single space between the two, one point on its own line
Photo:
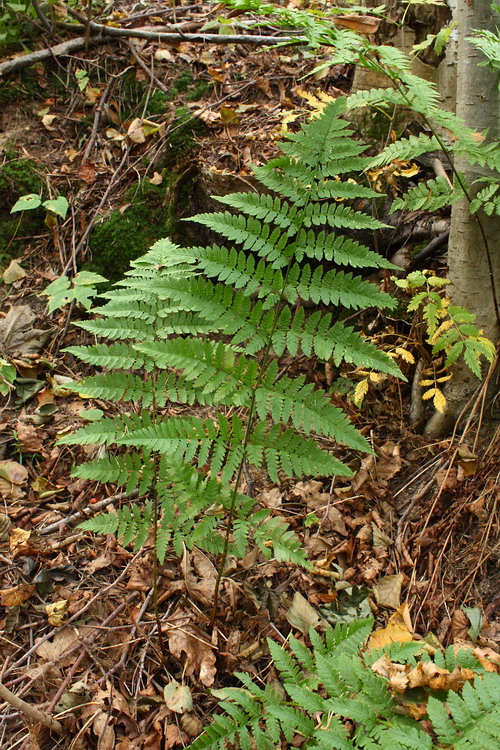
x=30 y=711
x=58 y=50
x=85 y=512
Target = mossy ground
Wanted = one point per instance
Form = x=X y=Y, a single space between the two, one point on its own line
x=18 y=177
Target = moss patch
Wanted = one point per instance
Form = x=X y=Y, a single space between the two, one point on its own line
x=18 y=178
x=152 y=213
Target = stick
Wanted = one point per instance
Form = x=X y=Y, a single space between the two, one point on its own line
x=65 y=48
x=31 y=711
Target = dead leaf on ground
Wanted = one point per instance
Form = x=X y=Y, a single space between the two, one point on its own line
x=13 y=472
x=270 y=498
x=201 y=585
x=5 y=527
x=178 y=697
x=174 y=736
x=17 y=333
x=103 y=729
x=387 y=591
x=53 y=649
x=199 y=653
x=103 y=561
x=13 y=272
x=57 y=612
x=302 y=615
x=428 y=674
x=321 y=502
x=398 y=630
x=16 y=595
x=29 y=438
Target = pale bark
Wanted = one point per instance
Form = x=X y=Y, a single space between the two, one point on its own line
x=474 y=249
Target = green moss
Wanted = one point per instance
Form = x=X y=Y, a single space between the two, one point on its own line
x=18 y=178
x=125 y=235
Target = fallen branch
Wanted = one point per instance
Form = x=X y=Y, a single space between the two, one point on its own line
x=65 y=48
x=85 y=512
x=30 y=711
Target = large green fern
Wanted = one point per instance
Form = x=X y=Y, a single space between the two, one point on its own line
x=319 y=688
x=206 y=326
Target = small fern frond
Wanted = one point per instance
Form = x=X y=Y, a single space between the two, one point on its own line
x=114 y=356
x=406 y=149
x=429 y=196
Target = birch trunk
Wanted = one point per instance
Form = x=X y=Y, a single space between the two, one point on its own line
x=474 y=249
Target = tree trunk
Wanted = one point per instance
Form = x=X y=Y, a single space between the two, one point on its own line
x=474 y=246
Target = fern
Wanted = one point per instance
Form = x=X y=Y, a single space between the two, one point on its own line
x=206 y=326
x=331 y=681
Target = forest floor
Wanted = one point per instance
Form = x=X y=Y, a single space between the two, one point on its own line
x=417 y=525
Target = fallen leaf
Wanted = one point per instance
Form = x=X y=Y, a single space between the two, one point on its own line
x=13 y=472
x=53 y=649
x=302 y=615
x=388 y=591
x=200 y=655
x=57 y=612
x=16 y=595
x=18 y=539
x=47 y=121
x=13 y=272
x=270 y=498
x=428 y=674
x=178 y=697
x=5 y=527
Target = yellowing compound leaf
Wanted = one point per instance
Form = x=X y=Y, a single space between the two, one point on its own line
x=405 y=354
x=439 y=401
x=360 y=392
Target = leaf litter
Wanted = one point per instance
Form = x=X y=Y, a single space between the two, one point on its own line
x=77 y=615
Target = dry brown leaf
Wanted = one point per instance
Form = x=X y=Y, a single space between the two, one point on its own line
x=199 y=653
x=29 y=438
x=103 y=730
x=321 y=502
x=192 y=725
x=13 y=272
x=13 y=472
x=387 y=591
x=488 y=658
x=87 y=172
x=270 y=498
x=200 y=587
x=174 y=736
x=103 y=561
x=53 y=649
x=16 y=595
x=428 y=674
x=302 y=615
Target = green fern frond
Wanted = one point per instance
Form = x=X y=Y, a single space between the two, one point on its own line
x=430 y=196
x=111 y=357
x=406 y=149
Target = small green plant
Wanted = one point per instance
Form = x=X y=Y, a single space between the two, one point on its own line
x=332 y=696
x=8 y=375
x=81 y=289
x=58 y=206
x=207 y=326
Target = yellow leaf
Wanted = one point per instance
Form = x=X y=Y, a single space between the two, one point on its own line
x=445 y=326
x=57 y=612
x=439 y=401
x=377 y=377
x=406 y=355
x=429 y=394
x=444 y=378
x=360 y=392
x=426 y=382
